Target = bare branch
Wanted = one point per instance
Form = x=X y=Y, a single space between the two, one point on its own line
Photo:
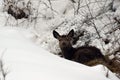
x=93 y=20
x=4 y=73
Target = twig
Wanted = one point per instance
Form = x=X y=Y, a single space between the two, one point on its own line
x=49 y=7
x=36 y=14
x=4 y=73
x=50 y=4
x=107 y=73
x=78 y=6
x=93 y=21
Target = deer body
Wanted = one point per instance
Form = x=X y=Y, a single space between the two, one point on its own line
x=82 y=54
x=85 y=54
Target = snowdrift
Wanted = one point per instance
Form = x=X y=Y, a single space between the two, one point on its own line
x=24 y=60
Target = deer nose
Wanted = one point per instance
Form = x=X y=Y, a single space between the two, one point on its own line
x=63 y=43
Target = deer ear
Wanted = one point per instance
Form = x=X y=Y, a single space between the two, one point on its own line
x=71 y=33
x=56 y=34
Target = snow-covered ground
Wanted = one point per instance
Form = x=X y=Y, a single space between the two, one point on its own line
x=22 y=42
x=23 y=60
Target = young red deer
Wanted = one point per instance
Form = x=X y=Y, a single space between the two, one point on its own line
x=82 y=54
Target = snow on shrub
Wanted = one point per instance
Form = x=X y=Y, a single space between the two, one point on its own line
x=14 y=10
x=95 y=19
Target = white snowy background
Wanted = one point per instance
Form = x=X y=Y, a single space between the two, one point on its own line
x=27 y=46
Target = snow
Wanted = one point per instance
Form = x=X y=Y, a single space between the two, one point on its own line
x=27 y=45
x=26 y=61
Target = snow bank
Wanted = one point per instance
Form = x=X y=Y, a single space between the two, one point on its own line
x=26 y=61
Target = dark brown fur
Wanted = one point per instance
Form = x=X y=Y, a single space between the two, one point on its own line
x=88 y=55
x=82 y=54
x=85 y=54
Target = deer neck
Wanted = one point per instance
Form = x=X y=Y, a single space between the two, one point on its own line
x=68 y=52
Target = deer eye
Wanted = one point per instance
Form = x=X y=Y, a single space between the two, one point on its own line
x=60 y=39
x=68 y=39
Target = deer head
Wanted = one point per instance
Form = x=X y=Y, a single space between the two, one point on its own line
x=65 y=41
